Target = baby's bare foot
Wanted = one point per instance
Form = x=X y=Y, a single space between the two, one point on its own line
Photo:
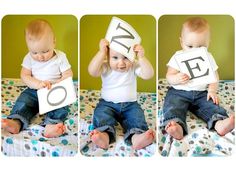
x=101 y=139
x=10 y=125
x=140 y=141
x=174 y=130
x=223 y=127
x=54 y=130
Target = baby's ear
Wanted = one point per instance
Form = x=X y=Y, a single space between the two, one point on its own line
x=54 y=41
x=180 y=40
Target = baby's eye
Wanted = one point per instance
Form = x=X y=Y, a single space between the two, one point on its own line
x=46 y=51
x=115 y=57
x=190 y=46
x=34 y=53
x=126 y=58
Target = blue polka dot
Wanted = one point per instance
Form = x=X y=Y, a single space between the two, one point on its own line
x=34 y=148
x=64 y=142
x=90 y=127
x=9 y=141
x=164 y=153
x=55 y=154
x=34 y=142
x=42 y=139
x=71 y=121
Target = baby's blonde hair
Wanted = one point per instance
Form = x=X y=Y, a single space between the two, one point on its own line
x=195 y=24
x=37 y=28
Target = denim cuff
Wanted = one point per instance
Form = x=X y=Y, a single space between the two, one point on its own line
x=128 y=135
x=179 y=121
x=51 y=121
x=24 y=122
x=214 y=119
x=110 y=130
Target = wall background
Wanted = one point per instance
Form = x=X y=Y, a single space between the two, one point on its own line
x=14 y=47
x=94 y=27
x=221 y=44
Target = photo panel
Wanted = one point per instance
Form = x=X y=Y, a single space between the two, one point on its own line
x=109 y=67
x=190 y=47
x=38 y=51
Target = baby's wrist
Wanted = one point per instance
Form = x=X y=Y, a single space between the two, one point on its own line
x=212 y=91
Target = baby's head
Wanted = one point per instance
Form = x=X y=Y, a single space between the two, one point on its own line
x=119 y=62
x=40 y=40
x=195 y=33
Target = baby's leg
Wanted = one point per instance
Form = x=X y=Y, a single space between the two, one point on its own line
x=54 y=130
x=140 y=141
x=174 y=130
x=223 y=127
x=101 y=139
x=11 y=125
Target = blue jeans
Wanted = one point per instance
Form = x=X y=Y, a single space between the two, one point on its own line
x=178 y=102
x=128 y=114
x=26 y=107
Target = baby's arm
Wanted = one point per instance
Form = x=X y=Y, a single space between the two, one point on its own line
x=147 y=71
x=174 y=77
x=30 y=81
x=212 y=90
x=65 y=74
x=95 y=66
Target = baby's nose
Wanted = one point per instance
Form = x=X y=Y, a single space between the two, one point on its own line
x=41 y=57
x=121 y=62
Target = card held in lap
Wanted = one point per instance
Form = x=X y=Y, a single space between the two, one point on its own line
x=61 y=94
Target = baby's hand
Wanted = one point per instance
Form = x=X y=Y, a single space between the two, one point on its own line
x=212 y=95
x=182 y=78
x=103 y=45
x=139 y=50
x=44 y=84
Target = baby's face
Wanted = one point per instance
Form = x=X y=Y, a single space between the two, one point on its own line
x=190 y=40
x=118 y=62
x=43 y=49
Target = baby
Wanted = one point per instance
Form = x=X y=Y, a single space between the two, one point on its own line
x=201 y=100
x=41 y=67
x=118 y=101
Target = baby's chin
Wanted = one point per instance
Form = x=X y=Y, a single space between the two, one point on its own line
x=121 y=70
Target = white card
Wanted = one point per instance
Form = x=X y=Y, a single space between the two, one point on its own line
x=195 y=63
x=60 y=95
x=122 y=37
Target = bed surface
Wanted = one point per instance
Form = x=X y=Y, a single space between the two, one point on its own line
x=30 y=142
x=200 y=141
x=88 y=101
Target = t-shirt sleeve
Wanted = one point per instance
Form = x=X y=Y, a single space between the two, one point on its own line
x=27 y=62
x=172 y=63
x=64 y=63
x=212 y=62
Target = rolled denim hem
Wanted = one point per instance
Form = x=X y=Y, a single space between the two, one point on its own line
x=179 y=121
x=128 y=135
x=110 y=130
x=51 y=121
x=215 y=118
x=24 y=122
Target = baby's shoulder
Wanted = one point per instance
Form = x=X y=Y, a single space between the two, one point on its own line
x=59 y=53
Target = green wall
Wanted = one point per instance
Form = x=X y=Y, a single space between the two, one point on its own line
x=94 y=27
x=14 y=47
x=221 y=44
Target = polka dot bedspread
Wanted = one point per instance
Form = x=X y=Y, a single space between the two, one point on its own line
x=30 y=142
x=200 y=141
x=88 y=101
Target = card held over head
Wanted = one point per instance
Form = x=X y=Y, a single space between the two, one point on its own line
x=122 y=37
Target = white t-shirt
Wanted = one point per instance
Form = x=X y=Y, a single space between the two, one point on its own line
x=173 y=64
x=50 y=70
x=120 y=87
